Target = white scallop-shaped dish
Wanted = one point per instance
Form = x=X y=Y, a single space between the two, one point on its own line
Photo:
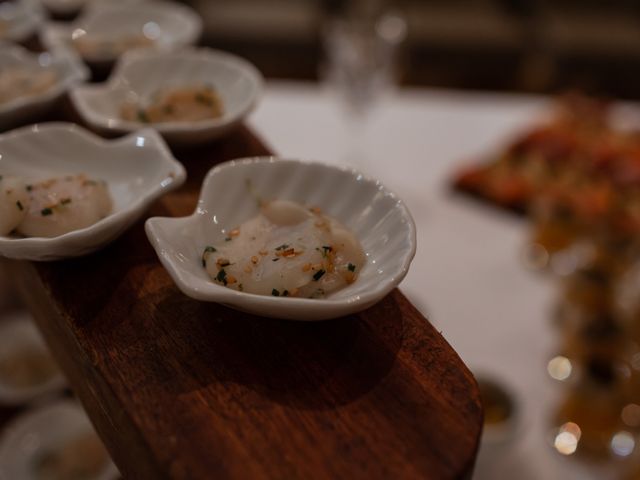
x=19 y=19
x=171 y=26
x=41 y=431
x=377 y=217
x=138 y=169
x=69 y=71
x=139 y=76
x=19 y=334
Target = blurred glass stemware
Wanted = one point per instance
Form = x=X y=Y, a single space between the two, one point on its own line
x=361 y=67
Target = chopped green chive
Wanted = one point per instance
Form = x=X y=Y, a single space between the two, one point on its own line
x=351 y=267
x=275 y=259
x=222 y=276
x=284 y=246
x=241 y=287
x=318 y=275
x=19 y=205
x=275 y=293
x=285 y=293
x=206 y=252
x=142 y=116
x=201 y=98
x=46 y=211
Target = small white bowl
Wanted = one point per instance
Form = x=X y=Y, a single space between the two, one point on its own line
x=41 y=431
x=20 y=19
x=69 y=70
x=19 y=334
x=140 y=76
x=138 y=169
x=171 y=25
x=377 y=217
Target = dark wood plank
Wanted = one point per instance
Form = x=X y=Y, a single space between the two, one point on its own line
x=188 y=390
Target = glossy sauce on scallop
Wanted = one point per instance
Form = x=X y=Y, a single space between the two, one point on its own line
x=287 y=250
x=61 y=205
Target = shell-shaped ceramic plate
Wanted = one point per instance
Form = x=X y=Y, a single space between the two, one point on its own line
x=67 y=68
x=138 y=77
x=20 y=19
x=138 y=169
x=51 y=430
x=376 y=216
x=19 y=336
x=166 y=25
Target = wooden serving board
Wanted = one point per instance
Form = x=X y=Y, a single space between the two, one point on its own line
x=189 y=390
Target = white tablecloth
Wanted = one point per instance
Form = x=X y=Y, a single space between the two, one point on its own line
x=467 y=276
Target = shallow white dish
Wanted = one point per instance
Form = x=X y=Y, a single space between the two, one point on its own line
x=138 y=169
x=378 y=218
x=69 y=72
x=170 y=25
x=140 y=76
x=18 y=333
x=19 y=19
x=43 y=430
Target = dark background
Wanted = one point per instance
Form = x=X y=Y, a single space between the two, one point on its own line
x=514 y=45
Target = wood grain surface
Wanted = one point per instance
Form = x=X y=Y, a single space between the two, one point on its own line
x=190 y=390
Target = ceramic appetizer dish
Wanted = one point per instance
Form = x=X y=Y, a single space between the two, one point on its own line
x=105 y=30
x=133 y=171
x=378 y=219
x=27 y=370
x=54 y=441
x=30 y=83
x=189 y=96
x=19 y=19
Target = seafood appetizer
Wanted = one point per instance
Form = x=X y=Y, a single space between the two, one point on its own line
x=103 y=46
x=188 y=104
x=287 y=250
x=52 y=207
x=20 y=82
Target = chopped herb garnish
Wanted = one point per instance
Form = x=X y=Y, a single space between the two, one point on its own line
x=29 y=188
x=65 y=201
x=284 y=246
x=222 y=276
x=327 y=248
x=318 y=275
x=201 y=98
x=142 y=116
x=19 y=205
x=285 y=293
x=275 y=259
x=275 y=293
x=206 y=252
x=351 y=267
x=227 y=239
x=240 y=287
x=46 y=211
